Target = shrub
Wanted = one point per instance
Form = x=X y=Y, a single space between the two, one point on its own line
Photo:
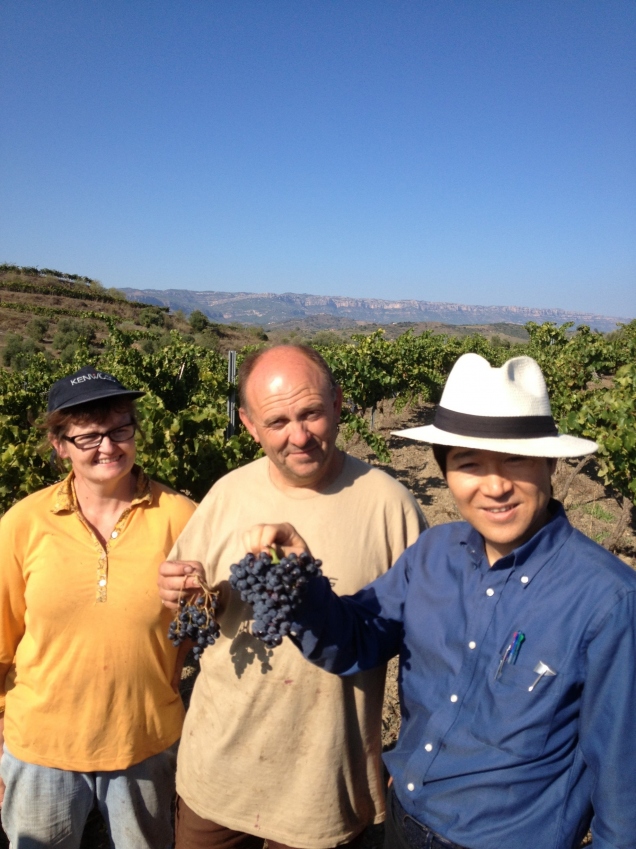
x=198 y=321
x=18 y=352
x=151 y=317
x=71 y=338
x=37 y=328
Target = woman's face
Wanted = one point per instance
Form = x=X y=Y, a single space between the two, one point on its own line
x=109 y=462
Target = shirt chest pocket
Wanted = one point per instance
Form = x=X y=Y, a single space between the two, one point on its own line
x=515 y=711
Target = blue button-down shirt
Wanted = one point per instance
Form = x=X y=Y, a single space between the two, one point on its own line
x=485 y=758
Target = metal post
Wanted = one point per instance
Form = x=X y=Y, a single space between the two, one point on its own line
x=231 y=401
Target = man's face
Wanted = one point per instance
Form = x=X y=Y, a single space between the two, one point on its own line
x=503 y=496
x=293 y=412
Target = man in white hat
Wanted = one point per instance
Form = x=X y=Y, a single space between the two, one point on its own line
x=516 y=636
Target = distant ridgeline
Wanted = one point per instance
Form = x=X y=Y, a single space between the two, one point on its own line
x=267 y=308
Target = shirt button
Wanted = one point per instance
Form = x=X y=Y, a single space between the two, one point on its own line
x=472 y=644
x=102 y=582
x=410 y=786
x=114 y=535
x=429 y=747
x=524 y=579
x=453 y=698
x=490 y=591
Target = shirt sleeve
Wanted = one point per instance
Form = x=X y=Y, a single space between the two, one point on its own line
x=607 y=727
x=12 y=601
x=349 y=634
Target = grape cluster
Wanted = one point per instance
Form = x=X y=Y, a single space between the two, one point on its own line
x=273 y=587
x=196 y=620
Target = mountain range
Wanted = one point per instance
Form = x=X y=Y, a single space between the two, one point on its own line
x=269 y=309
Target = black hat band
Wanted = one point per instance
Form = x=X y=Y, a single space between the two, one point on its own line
x=495 y=427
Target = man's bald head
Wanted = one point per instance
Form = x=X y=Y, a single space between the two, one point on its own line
x=252 y=360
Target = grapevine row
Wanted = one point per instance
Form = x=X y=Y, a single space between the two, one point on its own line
x=591 y=378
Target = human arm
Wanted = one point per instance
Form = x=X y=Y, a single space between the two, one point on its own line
x=345 y=634
x=607 y=730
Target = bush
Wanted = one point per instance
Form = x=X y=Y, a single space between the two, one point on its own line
x=326 y=339
x=198 y=321
x=18 y=352
x=116 y=294
x=37 y=328
x=156 y=343
x=151 y=317
x=71 y=338
x=207 y=340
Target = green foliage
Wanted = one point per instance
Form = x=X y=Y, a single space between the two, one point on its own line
x=36 y=328
x=57 y=283
x=52 y=312
x=18 y=352
x=569 y=362
x=371 y=368
x=198 y=321
x=151 y=317
x=624 y=343
x=325 y=339
x=258 y=332
x=364 y=368
x=207 y=339
x=609 y=417
x=155 y=343
x=598 y=512
x=187 y=448
x=83 y=293
x=355 y=424
x=24 y=466
x=591 y=379
x=115 y=294
x=183 y=417
x=73 y=338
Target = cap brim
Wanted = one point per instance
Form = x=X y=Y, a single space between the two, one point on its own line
x=87 y=399
x=563 y=445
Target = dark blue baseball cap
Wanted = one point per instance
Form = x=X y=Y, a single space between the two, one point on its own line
x=86 y=385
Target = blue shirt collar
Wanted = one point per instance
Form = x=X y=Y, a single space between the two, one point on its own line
x=533 y=555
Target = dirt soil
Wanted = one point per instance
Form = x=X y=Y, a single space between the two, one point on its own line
x=591 y=507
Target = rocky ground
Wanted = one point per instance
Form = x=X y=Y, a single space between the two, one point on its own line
x=591 y=507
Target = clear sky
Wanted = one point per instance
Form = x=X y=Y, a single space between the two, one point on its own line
x=474 y=151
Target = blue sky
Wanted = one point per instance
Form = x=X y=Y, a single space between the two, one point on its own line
x=480 y=152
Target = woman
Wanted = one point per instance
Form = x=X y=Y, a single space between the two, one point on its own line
x=92 y=708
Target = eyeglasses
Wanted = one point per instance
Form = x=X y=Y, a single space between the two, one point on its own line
x=84 y=441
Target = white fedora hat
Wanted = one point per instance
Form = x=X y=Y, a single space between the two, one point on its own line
x=503 y=409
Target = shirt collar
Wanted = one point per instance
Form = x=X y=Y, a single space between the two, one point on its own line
x=537 y=551
x=66 y=498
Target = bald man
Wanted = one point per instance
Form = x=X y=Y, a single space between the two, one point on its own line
x=273 y=748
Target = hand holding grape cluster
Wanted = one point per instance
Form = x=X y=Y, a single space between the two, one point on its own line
x=196 y=620
x=273 y=587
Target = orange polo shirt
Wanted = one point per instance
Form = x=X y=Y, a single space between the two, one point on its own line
x=85 y=664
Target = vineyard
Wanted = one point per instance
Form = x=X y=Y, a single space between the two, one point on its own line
x=184 y=440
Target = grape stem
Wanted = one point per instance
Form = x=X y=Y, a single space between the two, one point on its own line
x=209 y=604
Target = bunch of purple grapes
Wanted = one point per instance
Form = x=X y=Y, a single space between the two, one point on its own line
x=273 y=587
x=196 y=620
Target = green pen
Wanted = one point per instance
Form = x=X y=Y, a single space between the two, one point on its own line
x=516 y=645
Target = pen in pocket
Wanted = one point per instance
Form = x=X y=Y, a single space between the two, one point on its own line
x=511 y=652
